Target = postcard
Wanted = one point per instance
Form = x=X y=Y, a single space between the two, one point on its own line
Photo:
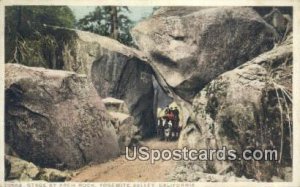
x=141 y=93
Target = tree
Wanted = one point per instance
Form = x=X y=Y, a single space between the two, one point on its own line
x=114 y=23
x=109 y=21
x=25 y=34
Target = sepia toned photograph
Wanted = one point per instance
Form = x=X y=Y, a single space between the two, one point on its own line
x=148 y=93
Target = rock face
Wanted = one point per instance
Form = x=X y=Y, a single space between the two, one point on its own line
x=249 y=107
x=115 y=105
x=126 y=129
x=192 y=171
x=177 y=11
x=115 y=71
x=190 y=47
x=26 y=171
x=53 y=175
x=55 y=118
x=20 y=169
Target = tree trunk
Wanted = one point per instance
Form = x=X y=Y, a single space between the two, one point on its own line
x=114 y=22
x=17 y=53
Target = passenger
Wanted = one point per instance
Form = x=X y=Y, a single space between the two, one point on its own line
x=176 y=123
x=167 y=110
x=168 y=131
x=160 y=128
x=170 y=114
x=176 y=116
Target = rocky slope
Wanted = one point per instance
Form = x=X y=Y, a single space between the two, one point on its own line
x=115 y=71
x=249 y=107
x=221 y=65
x=127 y=131
x=55 y=118
x=21 y=170
x=191 y=48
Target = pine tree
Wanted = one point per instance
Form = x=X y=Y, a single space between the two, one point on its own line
x=26 y=37
x=109 y=21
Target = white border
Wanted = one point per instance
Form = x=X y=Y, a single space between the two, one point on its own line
x=296 y=73
x=1 y=92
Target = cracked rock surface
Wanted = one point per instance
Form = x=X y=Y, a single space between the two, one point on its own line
x=247 y=108
x=56 y=119
x=190 y=46
x=115 y=70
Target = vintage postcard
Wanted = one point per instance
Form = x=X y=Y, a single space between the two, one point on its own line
x=135 y=93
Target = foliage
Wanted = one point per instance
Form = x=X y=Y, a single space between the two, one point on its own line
x=25 y=34
x=109 y=21
x=280 y=97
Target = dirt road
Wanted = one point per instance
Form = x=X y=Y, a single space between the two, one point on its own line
x=120 y=169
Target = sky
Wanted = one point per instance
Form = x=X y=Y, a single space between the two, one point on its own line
x=136 y=12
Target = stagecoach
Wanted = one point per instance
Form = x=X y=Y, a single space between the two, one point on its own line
x=168 y=127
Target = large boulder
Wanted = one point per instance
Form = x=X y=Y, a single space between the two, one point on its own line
x=176 y=11
x=114 y=69
x=249 y=107
x=191 y=46
x=21 y=170
x=115 y=105
x=54 y=175
x=56 y=118
x=127 y=130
